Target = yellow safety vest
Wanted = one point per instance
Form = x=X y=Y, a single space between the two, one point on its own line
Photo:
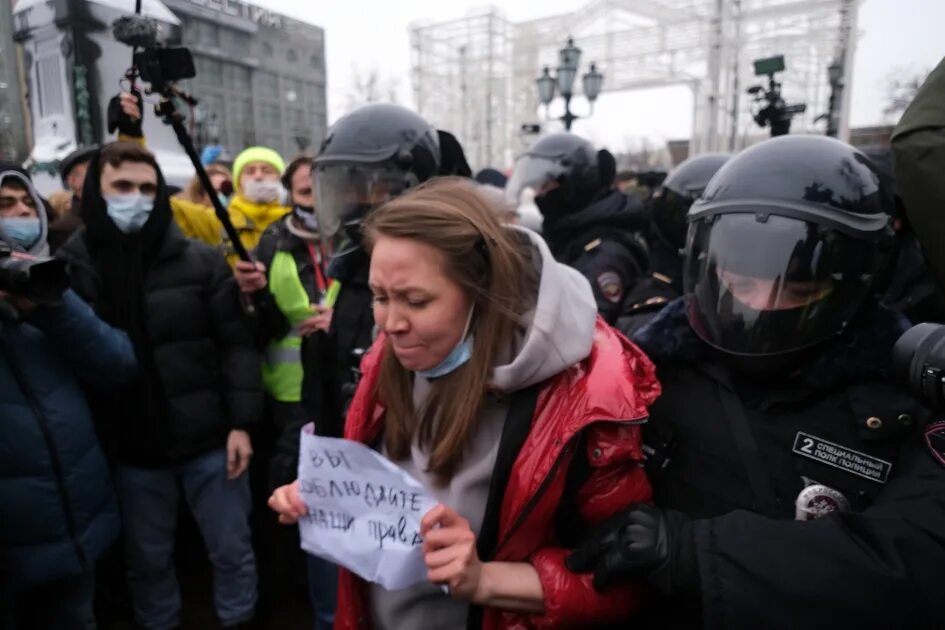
x=282 y=368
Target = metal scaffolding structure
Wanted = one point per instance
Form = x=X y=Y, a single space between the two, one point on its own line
x=462 y=80
x=476 y=75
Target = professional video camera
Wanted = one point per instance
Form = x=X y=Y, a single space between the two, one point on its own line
x=919 y=362
x=156 y=64
x=775 y=114
x=161 y=67
x=42 y=280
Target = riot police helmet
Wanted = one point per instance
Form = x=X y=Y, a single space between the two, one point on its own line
x=788 y=242
x=565 y=172
x=679 y=190
x=369 y=156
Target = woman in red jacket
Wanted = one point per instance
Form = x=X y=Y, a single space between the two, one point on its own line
x=495 y=384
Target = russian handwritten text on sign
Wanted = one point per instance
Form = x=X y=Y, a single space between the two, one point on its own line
x=364 y=511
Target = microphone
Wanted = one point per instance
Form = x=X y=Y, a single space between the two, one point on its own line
x=136 y=31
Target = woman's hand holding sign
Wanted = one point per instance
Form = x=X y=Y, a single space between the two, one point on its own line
x=287 y=502
x=346 y=481
x=449 y=550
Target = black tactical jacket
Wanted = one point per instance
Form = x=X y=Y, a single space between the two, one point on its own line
x=735 y=455
x=332 y=361
x=603 y=242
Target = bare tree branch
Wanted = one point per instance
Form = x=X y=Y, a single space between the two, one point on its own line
x=902 y=84
x=371 y=87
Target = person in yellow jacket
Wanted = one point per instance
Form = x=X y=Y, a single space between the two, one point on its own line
x=259 y=200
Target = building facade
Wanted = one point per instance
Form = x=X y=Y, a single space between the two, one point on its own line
x=260 y=77
x=13 y=137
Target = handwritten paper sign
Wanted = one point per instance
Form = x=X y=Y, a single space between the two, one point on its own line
x=363 y=511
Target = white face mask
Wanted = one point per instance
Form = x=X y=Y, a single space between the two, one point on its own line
x=129 y=212
x=264 y=191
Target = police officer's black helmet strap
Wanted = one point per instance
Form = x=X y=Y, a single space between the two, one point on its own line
x=766 y=500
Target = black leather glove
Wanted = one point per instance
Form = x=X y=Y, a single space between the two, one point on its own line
x=641 y=542
x=125 y=124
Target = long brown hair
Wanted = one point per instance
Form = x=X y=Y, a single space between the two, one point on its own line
x=492 y=264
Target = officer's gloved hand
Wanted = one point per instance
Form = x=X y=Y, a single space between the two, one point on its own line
x=641 y=542
x=126 y=114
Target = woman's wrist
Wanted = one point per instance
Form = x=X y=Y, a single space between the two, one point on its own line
x=485 y=587
x=509 y=586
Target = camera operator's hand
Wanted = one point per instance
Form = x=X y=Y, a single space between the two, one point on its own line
x=125 y=114
x=250 y=276
x=23 y=305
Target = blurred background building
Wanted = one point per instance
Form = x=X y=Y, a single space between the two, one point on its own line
x=260 y=77
x=14 y=139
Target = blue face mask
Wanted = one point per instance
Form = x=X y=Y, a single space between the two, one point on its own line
x=129 y=212
x=457 y=357
x=24 y=231
x=223 y=199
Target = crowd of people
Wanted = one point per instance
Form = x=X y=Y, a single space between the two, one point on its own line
x=667 y=410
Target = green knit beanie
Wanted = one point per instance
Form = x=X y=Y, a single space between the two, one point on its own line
x=256 y=154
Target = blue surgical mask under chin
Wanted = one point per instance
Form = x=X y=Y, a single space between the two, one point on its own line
x=458 y=356
x=24 y=231
x=129 y=212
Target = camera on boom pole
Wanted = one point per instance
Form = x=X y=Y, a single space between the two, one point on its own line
x=769 y=109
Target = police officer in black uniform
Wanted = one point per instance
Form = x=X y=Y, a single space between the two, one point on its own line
x=588 y=224
x=792 y=484
x=370 y=156
x=666 y=239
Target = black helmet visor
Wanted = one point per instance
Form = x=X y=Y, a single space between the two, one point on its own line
x=345 y=192
x=539 y=173
x=761 y=284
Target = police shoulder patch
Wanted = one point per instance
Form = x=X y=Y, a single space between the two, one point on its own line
x=611 y=286
x=935 y=440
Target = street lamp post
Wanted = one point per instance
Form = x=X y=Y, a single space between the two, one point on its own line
x=835 y=76
x=568 y=60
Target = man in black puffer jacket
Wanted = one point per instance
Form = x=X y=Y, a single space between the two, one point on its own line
x=182 y=423
x=589 y=225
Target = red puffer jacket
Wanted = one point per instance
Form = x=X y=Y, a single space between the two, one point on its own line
x=605 y=398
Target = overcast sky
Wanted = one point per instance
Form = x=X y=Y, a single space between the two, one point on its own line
x=896 y=35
